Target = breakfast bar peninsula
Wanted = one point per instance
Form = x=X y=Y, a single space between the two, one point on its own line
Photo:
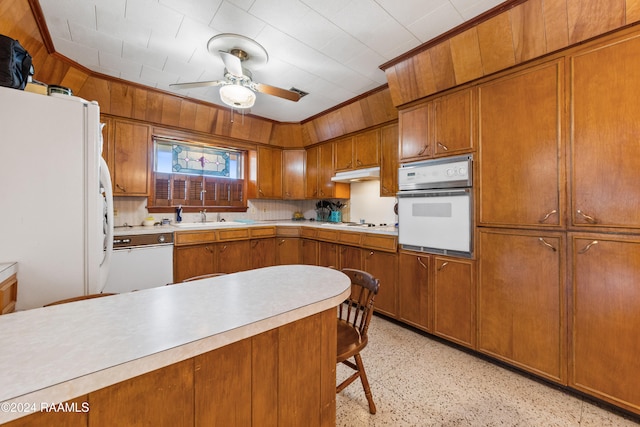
x=251 y=348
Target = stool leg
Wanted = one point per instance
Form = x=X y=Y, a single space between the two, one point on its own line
x=365 y=383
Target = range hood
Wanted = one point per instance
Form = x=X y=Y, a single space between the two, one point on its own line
x=367 y=174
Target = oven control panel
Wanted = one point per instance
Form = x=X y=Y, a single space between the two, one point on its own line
x=450 y=172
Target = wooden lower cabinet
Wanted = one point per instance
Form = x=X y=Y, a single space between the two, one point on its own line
x=8 y=294
x=233 y=256
x=413 y=290
x=309 y=250
x=252 y=382
x=215 y=388
x=328 y=254
x=78 y=417
x=263 y=252
x=287 y=250
x=384 y=266
x=190 y=261
x=604 y=346
x=350 y=257
x=223 y=257
x=454 y=300
x=163 y=397
x=521 y=300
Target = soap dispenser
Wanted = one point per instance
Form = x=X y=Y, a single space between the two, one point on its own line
x=179 y=214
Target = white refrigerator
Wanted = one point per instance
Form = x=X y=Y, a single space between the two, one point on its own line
x=56 y=204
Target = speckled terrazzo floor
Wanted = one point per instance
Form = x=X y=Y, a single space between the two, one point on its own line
x=418 y=381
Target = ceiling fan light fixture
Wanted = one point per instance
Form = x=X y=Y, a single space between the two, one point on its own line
x=237 y=96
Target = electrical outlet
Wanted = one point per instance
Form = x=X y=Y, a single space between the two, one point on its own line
x=115 y=212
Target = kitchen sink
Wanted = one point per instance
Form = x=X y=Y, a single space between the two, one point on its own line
x=208 y=224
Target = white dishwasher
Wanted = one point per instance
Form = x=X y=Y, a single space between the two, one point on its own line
x=140 y=261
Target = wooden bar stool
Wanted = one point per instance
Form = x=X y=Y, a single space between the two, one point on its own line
x=354 y=316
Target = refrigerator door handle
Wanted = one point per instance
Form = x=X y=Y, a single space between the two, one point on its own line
x=105 y=183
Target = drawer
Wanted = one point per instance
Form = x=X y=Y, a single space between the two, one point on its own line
x=310 y=233
x=350 y=238
x=233 y=234
x=328 y=235
x=288 y=231
x=193 y=237
x=381 y=242
x=258 y=232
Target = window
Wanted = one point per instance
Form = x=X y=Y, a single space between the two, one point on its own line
x=195 y=175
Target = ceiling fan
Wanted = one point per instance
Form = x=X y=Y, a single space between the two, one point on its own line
x=237 y=89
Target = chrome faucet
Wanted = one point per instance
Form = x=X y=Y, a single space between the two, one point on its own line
x=203 y=215
x=218 y=217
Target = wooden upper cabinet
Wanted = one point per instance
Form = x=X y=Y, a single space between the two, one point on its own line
x=293 y=186
x=605 y=153
x=366 y=149
x=344 y=154
x=520 y=160
x=414 y=135
x=131 y=156
x=269 y=185
x=311 y=172
x=440 y=127
x=320 y=169
x=358 y=151
x=389 y=160
x=453 y=123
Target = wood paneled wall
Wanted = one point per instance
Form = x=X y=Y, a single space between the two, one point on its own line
x=528 y=30
x=120 y=98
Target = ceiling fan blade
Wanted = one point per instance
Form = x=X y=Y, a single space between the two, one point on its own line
x=276 y=91
x=199 y=84
x=232 y=63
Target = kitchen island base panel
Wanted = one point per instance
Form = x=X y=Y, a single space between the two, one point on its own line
x=254 y=381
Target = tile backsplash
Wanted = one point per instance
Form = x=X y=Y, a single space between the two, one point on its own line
x=365 y=203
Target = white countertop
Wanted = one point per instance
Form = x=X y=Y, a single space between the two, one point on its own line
x=388 y=230
x=56 y=353
x=7 y=269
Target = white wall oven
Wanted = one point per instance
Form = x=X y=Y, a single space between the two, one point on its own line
x=435 y=206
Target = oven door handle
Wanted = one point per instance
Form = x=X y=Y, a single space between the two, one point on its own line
x=434 y=193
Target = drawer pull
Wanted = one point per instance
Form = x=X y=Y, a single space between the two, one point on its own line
x=588 y=218
x=444 y=147
x=546 y=217
x=544 y=242
x=586 y=248
x=420 y=262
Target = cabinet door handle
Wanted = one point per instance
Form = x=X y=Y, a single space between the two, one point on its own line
x=420 y=262
x=546 y=217
x=586 y=248
x=120 y=187
x=224 y=248
x=281 y=242
x=444 y=147
x=425 y=148
x=255 y=243
x=444 y=264
x=371 y=253
x=547 y=244
x=260 y=191
x=209 y=249
x=358 y=162
x=349 y=165
x=588 y=218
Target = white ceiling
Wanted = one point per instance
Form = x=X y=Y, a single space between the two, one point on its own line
x=329 y=48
